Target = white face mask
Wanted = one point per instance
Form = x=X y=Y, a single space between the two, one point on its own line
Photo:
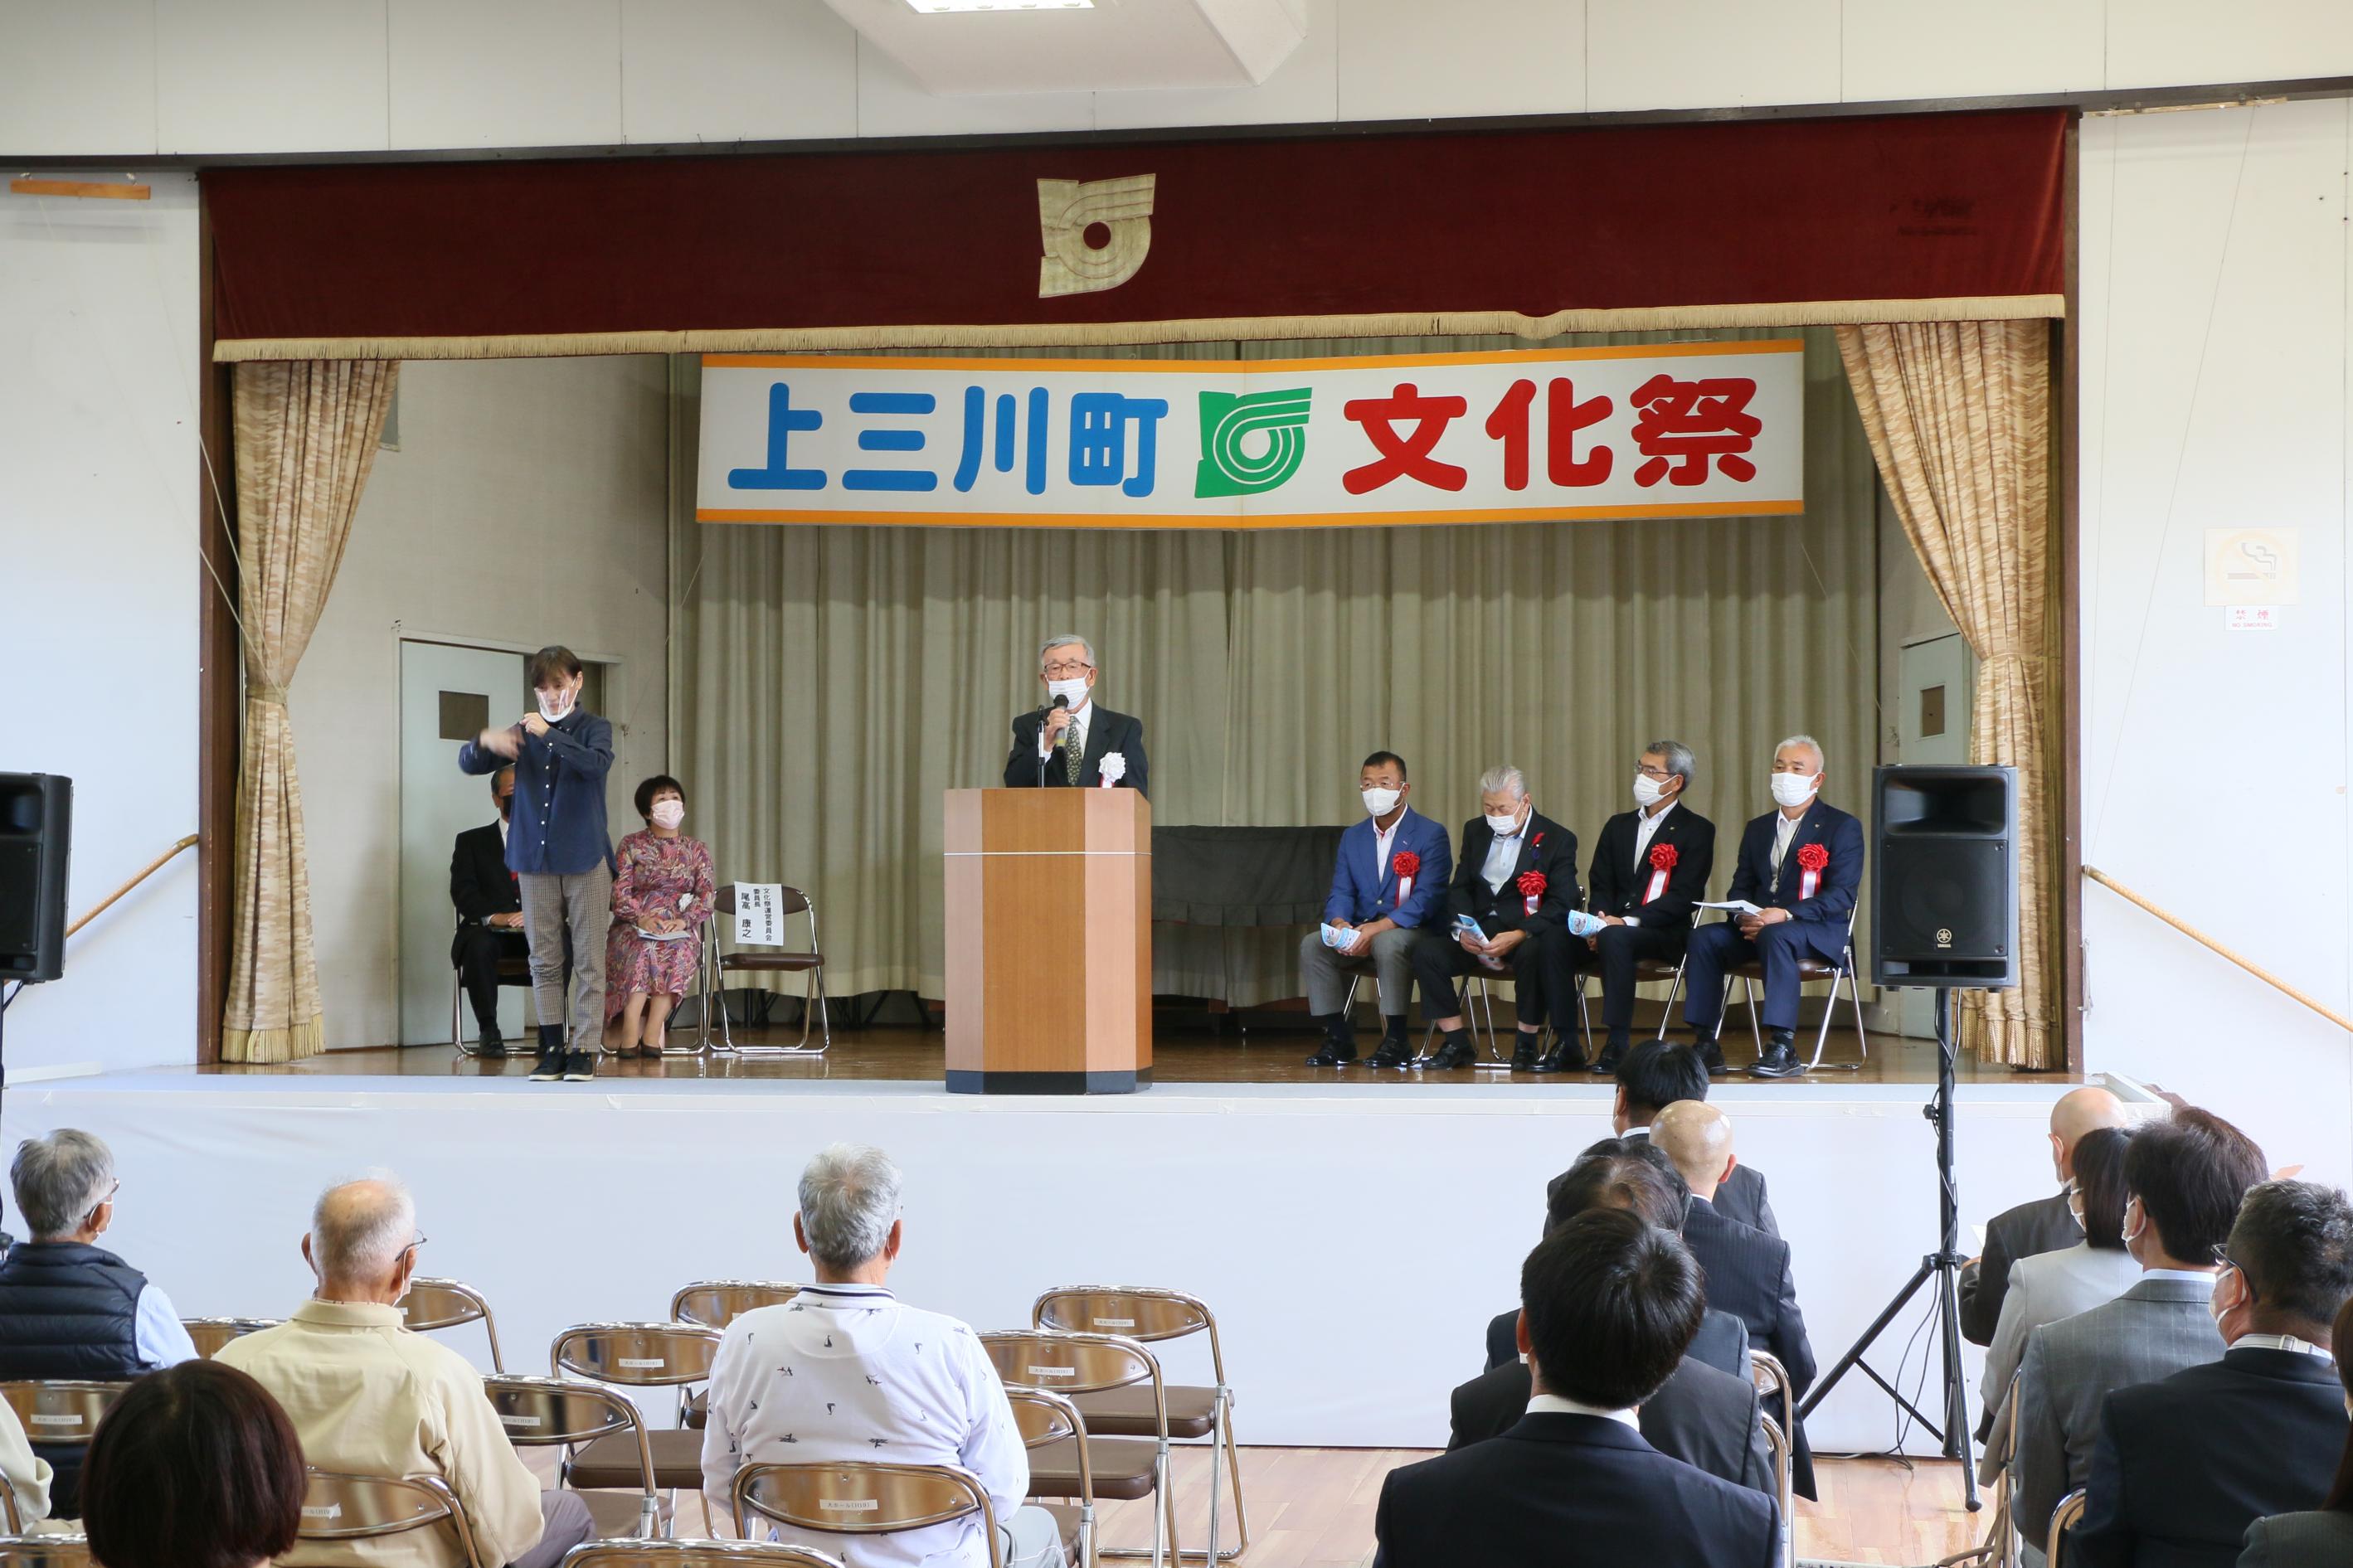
x=1647 y=790
x=1794 y=789
x=1381 y=801
x=1503 y=826
x=669 y=812
x=1074 y=690
x=555 y=711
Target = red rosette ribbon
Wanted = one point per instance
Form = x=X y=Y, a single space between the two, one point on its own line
x=1813 y=859
x=1404 y=863
x=1663 y=863
x=1532 y=886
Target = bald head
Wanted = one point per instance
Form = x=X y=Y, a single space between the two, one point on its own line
x=361 y=1237
x=2081 y=1110
x=1697 y=1137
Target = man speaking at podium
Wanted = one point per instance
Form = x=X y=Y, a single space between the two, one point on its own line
x=1070 y=742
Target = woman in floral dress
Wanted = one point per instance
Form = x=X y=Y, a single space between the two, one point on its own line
x=662 y=892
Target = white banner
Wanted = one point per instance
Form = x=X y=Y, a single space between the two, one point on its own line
x=1639 y=430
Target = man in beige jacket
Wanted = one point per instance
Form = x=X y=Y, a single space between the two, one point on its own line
x=368 y=1396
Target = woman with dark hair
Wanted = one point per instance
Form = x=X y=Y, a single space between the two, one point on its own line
x=2046 y=1287
x=195 y=1466
x=2323 y=1538
x=661 y=894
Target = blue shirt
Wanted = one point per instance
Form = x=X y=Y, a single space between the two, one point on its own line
x=558 y=826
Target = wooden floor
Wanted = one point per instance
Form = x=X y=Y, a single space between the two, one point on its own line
x=1271 y=1050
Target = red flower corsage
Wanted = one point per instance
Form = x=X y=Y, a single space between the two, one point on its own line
x=1533 y=884
x=1404 y=862
x=1811 y=857
x=1663 y=856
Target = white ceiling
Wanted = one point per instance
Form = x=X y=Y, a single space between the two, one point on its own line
x=1115 y=44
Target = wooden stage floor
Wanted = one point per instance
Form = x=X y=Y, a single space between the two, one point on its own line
x=1183 y=1052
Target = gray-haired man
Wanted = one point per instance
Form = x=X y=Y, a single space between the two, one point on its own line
x=1070 y=742
x=844 y=1372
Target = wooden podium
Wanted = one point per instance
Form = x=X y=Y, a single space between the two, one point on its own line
x=1049 y=941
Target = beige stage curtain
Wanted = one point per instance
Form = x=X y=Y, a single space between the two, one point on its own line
x=306 y=437
x=1959 y=416
x=831 y=682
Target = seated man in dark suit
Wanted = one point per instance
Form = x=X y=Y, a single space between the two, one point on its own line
x=2183 y=1466
x=490 y=913
x=1070 y=742
x=1702 y=1414
x=1802 y=865
x=1649 y=868
x=1517 y=878
x=1607 y=1305
x=2044 y=1225
x=1660 y=1073
x=1748 y=1272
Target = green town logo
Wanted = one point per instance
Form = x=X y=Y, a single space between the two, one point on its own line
x=1227 y=467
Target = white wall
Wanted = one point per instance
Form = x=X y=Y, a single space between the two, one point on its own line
x=196 y=76
x=98 y=598
x=2215 y=280
x=524 y=507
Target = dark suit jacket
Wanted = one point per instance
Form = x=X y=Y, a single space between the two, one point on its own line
x=2044 y=1226
x=1619 y=884
x=1545 y=846
x=1834 y=896
x=2184 y=1465
x=480 y=885
x=1704 y=1416
x=1568 y=1491
x=1748 y=1276
x=1721 y=1343
x=2316 y=1539
x=1106 y=733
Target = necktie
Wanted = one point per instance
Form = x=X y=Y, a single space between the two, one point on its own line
x=1073 y=751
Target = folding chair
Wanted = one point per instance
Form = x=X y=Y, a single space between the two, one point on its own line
x=340 y=1507
x=638 y=1355
x=2000 y=1548
x=852 y=1497
x=61 y=1413
x=541 y=1412
x=1841 y=972
x=210 y=1333
x=695 y=1555
x=2062 y=1519
x=717 y=1303
x=1045 y=1419
x=763 y=961
x=1772 y=1380
x=1649 y=971
x=1777 y=1443
x=433 y=1304
x=1075 y=1365
x=43 y=1551
x=1149 y=1315
x=510 y=971
x=1482 y=1030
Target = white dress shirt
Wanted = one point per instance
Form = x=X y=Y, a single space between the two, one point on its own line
x=1382 y=838
x=1646 y=827
x=1785 y=827
x=1556 y=1405
x=845 y=1372
x=1502 y=854
x=1076 y=734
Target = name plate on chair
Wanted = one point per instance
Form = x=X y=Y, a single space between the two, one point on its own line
x=850 y=1504
x=322 y=1510
x=1052 y=1371
x=758 y=923
x=642 y=1364
x=57 y=1420
x=523 y=1420
x=1114 y=1322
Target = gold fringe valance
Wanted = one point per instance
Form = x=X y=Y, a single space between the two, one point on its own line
x=1044 y=334
x=290 y=1044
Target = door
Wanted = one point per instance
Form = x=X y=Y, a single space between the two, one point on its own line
x=448 y=695
x=1935 y=681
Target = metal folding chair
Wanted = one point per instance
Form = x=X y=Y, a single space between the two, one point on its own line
x=1481 y=1018
x=2062 y=1519
x=544 y=1412
x=718 y=965
x=64 y=1412
x=512 y=972
x=861 y=1498
x=638 y=1355
x=695 y=1555
x=2000 y=1547
x=1076 y=1365
x=1151 y=1315
x=1777 y=1443
x=717 y=1303
x=1045 y=1419
x=433 y=1304
x=18 y=1551
x=209 y=1334
x=1841 y=972
x=340 y=1507
x=1649 y=971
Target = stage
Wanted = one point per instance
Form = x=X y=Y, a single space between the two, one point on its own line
x=1354 y=1234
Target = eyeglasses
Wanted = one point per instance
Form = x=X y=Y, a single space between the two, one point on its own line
x=413 y=1246
x=1647 y=771
x=1066 y=671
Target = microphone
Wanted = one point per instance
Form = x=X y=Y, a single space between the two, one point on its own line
x=1060 y=701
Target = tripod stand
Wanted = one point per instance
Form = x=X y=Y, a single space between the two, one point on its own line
x=1942 y=1267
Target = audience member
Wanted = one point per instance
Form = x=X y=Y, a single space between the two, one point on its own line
x=2184 y=1180
x=369 y=1398
x=2182 y=1468
x=1702 y=1415
x=195 y=1466
x=1656 y=1074
x=1609 y=1305
x=844 y=1372
x=2323 y=1538
x=1748 y=1272
x=2045 y=1224
x=69 y=1307
x=2046 y=1287
x=28 y=1474
x=653 y=952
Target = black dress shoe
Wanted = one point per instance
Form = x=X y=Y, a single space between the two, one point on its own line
x=1392 y=1054
x=1334 y=1054
x=1612 y=1054
x=1524 y=1052
x=490 y=1044
x=1780 y=1058
x=1454 y=1053
x=1711 y=1056
x=1565 y=1056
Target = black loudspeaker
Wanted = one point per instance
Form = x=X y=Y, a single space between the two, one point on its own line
x=1944 y=882
x=35 y=831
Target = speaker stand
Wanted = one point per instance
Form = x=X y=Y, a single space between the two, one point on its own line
x=1940 y=1270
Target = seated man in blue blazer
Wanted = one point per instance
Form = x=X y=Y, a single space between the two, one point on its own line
x=1389 y=880
x=1800 y=865
x=1608 y=1304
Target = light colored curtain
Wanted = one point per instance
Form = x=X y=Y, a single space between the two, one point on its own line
x=1958 y=416
x=833 y=680
x=306 y=437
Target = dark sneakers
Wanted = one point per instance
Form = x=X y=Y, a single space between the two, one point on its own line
x=1780 y=1058
x=549 y=1068
x=579 y=1066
